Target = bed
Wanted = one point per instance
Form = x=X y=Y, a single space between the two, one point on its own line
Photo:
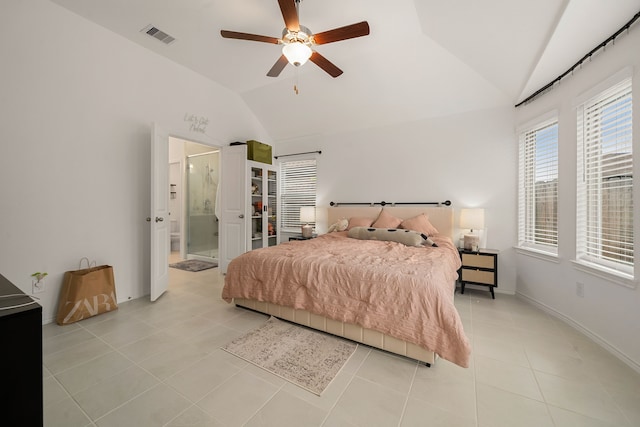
x=380 y=293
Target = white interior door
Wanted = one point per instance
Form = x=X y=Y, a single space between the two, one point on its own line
x=160 y=224
x=233 y=203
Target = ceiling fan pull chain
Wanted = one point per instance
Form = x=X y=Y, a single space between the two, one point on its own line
x=295 y=85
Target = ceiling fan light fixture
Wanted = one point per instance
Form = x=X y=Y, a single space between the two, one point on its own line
x=297 y=53
x=298 y=40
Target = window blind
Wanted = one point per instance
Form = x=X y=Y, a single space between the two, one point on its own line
x=538 y=187
x=605 y=179
x=297 y=189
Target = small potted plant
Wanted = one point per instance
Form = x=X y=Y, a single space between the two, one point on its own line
x=39 y=276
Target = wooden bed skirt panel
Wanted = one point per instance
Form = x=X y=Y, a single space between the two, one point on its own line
x=346 y=330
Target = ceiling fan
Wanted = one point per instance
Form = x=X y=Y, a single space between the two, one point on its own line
x=298 y=41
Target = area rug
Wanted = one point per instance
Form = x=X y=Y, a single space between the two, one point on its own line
x=302 y=356
x=194 y=265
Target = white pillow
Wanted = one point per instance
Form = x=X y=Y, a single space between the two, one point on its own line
x=339 y=225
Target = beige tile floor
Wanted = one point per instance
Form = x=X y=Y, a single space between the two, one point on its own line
x=160 y=364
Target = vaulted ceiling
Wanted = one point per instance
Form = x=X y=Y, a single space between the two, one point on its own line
x=423 y=58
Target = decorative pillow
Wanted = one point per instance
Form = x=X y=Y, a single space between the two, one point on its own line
x=386 y=220
x=339 y=225
x=419 y=223
x=406 y=237
x=357 y=221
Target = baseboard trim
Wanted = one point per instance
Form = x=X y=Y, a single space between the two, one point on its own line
x=590 y=334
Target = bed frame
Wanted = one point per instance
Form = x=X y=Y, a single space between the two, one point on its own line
x=440 y=217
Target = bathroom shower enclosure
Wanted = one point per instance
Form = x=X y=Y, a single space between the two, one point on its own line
x=202 y=190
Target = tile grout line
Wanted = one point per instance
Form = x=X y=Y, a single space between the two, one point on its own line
x=116 y=350
x=535 y=377
x=243 y=369
x=475 y=365
x=406 y=400
x=138 y=365
x=70 y=396
x=133 y=364
x=266 y=402
x=330 y=411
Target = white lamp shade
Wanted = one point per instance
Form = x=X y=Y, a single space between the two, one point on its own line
x=297 y=53
x=307 y=214
x=473 y=219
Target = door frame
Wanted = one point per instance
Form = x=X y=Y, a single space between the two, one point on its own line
x=186 y=136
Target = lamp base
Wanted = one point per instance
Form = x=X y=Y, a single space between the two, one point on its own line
x=307 y=231
x=471 y=242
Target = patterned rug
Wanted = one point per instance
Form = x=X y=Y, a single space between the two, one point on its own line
x=302 y=356
x=194 y=265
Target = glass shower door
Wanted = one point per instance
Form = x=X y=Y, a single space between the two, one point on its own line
x=202 y=222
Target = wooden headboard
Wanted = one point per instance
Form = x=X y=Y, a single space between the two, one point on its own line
x=440 y=216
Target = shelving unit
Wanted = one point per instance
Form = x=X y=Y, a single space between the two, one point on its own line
x=263 y=205
x=249 y=205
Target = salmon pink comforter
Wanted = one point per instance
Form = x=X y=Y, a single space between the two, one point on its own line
x=405 y=292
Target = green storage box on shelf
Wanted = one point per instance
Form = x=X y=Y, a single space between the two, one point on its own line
x=259 y=152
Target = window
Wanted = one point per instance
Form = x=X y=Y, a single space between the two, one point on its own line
x=604 y=220
x=297 y=189
x=538 y=187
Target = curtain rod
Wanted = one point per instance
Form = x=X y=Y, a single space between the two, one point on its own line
x=602 y=45
x=297 y=154
x=383 y=203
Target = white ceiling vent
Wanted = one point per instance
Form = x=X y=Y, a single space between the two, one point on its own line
x=158 y=34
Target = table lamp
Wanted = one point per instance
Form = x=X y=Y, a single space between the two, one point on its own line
x=472 y=219
x=307 y=215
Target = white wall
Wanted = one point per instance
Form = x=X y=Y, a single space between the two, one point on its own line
x=468 y=159
x=77 y=103
x=608 y=312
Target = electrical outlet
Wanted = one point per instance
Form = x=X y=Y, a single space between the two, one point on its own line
x=37 y=285
x=580 y=289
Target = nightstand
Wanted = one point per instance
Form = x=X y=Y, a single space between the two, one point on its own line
x=299 y=237
x=479 y=268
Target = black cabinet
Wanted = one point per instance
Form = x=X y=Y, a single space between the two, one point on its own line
x=20 y=357
x=479 y=268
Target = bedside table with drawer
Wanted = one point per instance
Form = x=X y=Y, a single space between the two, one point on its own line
x=479 y=268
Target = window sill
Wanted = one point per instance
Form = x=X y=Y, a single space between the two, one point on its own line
x=617 y=277
x=536 y=253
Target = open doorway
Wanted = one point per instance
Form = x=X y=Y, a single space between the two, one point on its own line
x=193 y=180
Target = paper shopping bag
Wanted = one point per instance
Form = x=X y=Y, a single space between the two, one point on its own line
x=86 y=293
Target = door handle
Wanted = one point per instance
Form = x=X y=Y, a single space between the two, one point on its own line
x=241 y=216
x=159 y=219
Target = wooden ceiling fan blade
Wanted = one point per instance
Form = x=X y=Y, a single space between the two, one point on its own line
x=246 y=36
x=325 y=64
x=278 y=66
x=290 y=14
x=343 y=33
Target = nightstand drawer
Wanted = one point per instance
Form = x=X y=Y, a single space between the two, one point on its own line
x=478 y=260
x=479 y=276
